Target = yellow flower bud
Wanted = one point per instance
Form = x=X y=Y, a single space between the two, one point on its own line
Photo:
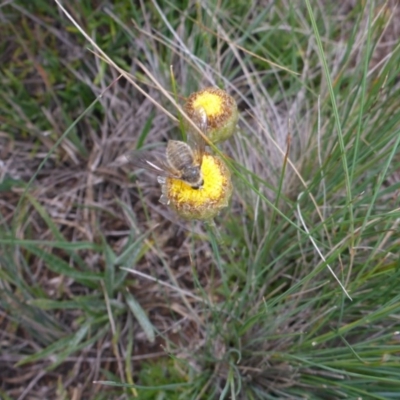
x=220 y=110
x=203 y=203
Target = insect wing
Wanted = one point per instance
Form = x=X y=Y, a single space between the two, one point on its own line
x=151 y=162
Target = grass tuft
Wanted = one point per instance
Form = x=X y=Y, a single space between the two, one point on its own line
x=292 y=293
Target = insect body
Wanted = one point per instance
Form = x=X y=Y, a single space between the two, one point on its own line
x=185 y=163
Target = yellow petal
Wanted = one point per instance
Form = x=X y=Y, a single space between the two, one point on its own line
x=206 y=202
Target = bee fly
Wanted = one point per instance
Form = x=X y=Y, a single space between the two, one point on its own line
x=182 y=160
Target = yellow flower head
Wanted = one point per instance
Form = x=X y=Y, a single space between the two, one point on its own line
x=220 y=109
x=203 y=203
